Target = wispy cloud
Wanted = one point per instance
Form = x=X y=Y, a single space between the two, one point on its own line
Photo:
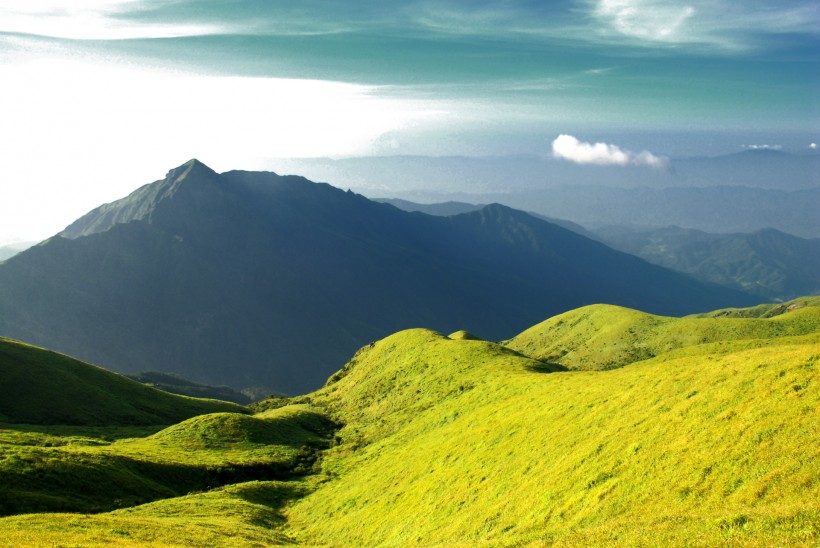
x=763 y=147
x=92 y=20
x=645 y=19
x=567 y=147
x=714 y=25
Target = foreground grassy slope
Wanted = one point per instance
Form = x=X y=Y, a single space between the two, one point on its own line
x=687 y=447
x=48 y=470
x=44 y=387
x=245 y=514
x=605 y=337
x=458 y=441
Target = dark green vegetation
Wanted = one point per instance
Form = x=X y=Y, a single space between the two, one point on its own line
x=769 y=263
x=175 y=384
x=71 y=438
x=709 y=438
x=252 y=279
x=44 y=387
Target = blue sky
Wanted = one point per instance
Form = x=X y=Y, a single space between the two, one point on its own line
x=100 y=96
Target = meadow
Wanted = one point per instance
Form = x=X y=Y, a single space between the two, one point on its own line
x=600 y=426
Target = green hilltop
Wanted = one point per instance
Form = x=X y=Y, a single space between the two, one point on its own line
x=602 y=426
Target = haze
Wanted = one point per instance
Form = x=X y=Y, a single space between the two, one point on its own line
x=103 y=96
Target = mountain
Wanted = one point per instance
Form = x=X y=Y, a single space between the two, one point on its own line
x=169 y=382
x=769 y=263
x=445 y=209
x=10 y=250
x=251 y=279
x=433 y=440
x=44 y=387
x=741 y=192
x=757 y=168
x=476 y=175
x=718 y=209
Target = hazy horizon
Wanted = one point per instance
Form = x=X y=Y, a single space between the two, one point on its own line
x=103 y=96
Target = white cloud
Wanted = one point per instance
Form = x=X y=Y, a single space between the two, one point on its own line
x=645 y=19
x=763 y=147
x=713 y=25
x=89 y=20
x=567 y=147
x=813 y=146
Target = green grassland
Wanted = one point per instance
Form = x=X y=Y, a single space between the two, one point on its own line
x=600 y=426
x=606 y=337
x=44 y=387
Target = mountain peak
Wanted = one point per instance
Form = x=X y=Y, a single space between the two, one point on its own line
x=193 y=176
x=191 y=167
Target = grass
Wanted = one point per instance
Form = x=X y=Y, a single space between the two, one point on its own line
x=246 y=514
x=600 y=337
x=708 y=436
x=44 y=387
x=42 y=471
x=697 y=449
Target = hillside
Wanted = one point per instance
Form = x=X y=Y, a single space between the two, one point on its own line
x=258 y=281
x=451 y=440
x=702 y=447
x=769 y=263
x=44 y=387
x=607 y=337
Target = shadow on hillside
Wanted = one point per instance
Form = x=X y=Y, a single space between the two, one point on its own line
x=101 y=483
x=102 y=433
x=544 y=367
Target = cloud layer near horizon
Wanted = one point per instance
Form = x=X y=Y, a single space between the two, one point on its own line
x=567 y=147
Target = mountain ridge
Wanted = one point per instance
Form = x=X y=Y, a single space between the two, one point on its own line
x=233 y=278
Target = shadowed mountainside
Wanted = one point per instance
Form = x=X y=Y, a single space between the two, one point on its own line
x=251 y=279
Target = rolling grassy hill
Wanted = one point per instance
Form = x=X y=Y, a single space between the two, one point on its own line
x=452 y=440
x=607 y=337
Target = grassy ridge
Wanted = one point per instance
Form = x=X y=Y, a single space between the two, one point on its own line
x=699 y=449
x=605 y=337
x=44 y=387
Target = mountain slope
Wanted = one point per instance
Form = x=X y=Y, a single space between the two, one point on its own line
x=768 y=262
x=250 y=279
x=43 y=387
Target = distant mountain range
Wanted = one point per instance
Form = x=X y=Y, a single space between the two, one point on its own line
x=252 y=279
x=769 y=263
x=742 y=192
x=755 y=168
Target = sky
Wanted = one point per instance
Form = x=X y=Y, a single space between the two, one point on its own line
x=98 y=97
